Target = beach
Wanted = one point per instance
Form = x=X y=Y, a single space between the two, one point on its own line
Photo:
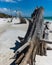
x=9 y=33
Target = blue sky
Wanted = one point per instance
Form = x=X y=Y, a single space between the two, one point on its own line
x=26 y=7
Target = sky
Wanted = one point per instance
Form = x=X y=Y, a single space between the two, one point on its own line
x=25 y=7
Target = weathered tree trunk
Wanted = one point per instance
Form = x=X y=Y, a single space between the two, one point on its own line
x=28 y=54
x=19 y=59
x=34 y=45
x=42 y=49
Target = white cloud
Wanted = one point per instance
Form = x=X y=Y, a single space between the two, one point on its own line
x=11 y=12
x=3 y=9
x=7 y=11
x=8 y=1
x=12 y=1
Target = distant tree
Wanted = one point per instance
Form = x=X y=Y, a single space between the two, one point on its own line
x=19 y=14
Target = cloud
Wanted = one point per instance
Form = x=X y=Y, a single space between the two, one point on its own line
x=11 y=12
x=7 y=11
x=8 y=1
x=3 y=9
x=11 y=1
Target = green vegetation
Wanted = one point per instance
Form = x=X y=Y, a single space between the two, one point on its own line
x=2 y=15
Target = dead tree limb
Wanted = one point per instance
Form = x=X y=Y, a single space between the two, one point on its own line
x=19 y=59
x=22 y=48
x=46 y=41
x=28 y=55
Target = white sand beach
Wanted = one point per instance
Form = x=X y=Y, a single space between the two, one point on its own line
x=46 y=60
x=9 y=33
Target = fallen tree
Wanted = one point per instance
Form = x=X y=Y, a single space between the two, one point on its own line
x=33 y=41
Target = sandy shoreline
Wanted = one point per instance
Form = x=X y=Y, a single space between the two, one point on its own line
x=8 y=35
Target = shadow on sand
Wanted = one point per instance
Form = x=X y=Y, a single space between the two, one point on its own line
x=17 y=45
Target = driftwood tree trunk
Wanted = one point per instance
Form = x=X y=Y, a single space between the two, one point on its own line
x=28 y=55
x=19 y=59
x=35 y=47
x=42 y=49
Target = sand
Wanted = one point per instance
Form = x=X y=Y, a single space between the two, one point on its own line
x=46 y=60
x=9 y=33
